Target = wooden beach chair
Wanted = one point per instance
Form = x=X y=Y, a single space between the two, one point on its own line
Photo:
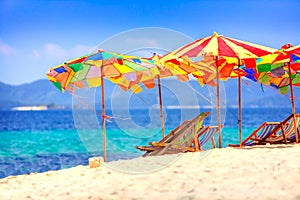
x=261 y=132
x=273 y=132
x=205 y=134
x=156 y=145
x=178 y=140
x=284 y=132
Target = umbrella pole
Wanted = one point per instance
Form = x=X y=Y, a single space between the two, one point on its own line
x=293 y=103
x=240 y=110
x=160 y=108
x=103 y=117
x=218 y=104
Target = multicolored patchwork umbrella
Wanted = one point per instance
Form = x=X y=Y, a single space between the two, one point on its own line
x=294 y=78
x=277 y=69
x=89 y=71
x=285 y=73
x=273 y=69
x=86 y=71
x=225 y=55
x=280 y=69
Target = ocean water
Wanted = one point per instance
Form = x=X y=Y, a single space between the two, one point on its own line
x=39 y=141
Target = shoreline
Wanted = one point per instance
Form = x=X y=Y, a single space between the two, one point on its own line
x=259 y=172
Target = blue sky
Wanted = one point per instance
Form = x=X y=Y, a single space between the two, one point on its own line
x=35 y=35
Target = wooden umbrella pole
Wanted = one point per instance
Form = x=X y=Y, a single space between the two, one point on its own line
x=161 y=109
x=240 y=110
x=240 y=107
x=293 y=103
x=103 y=116
x=218 y=104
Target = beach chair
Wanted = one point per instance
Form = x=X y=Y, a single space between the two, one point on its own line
x=178 y=140
x=273 y=132
x=261 y=132
x=205 y=134
x=156 y=145
x=285 y=132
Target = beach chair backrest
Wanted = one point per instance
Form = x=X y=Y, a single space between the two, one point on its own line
x=290 y=130
x=264 y=132
x=210 y=132
x=267 y=130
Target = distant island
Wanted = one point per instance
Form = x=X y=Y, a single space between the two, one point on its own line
x=25 y=108
x=43 y=95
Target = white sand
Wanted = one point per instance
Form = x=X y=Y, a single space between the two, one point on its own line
x=268 y=172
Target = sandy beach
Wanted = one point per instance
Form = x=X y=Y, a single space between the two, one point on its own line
x=261 y=172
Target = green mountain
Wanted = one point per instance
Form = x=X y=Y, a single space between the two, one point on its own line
x=41 y=92
x=174 y=93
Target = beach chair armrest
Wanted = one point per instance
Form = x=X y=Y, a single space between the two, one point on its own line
x=146 y=148
x=158 y=144
x=233 y=145
x=257 y=139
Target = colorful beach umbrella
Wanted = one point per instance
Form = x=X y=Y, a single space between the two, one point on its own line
x=294 y=75
x=280 y=69
x=90 y=70
x=225 y=55
x=111 y=65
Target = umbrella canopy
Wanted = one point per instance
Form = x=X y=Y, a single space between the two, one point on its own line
x=218 y=45
x=229 y=53
x=273 y=70
x=86 y=71
x=225 y=55
x=61 y=75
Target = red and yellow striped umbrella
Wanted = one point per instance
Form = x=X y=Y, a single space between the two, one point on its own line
x=218 y=45
x=294 y=50
x=226 y=55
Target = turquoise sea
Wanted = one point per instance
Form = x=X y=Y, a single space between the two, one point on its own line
x=38 y=141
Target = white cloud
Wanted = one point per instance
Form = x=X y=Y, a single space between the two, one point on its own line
x=54 y=54
x=57 y=52
x=54 y=51
x=32 y=64
x=6 y=49
x=36 y=54
x=80 y=50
